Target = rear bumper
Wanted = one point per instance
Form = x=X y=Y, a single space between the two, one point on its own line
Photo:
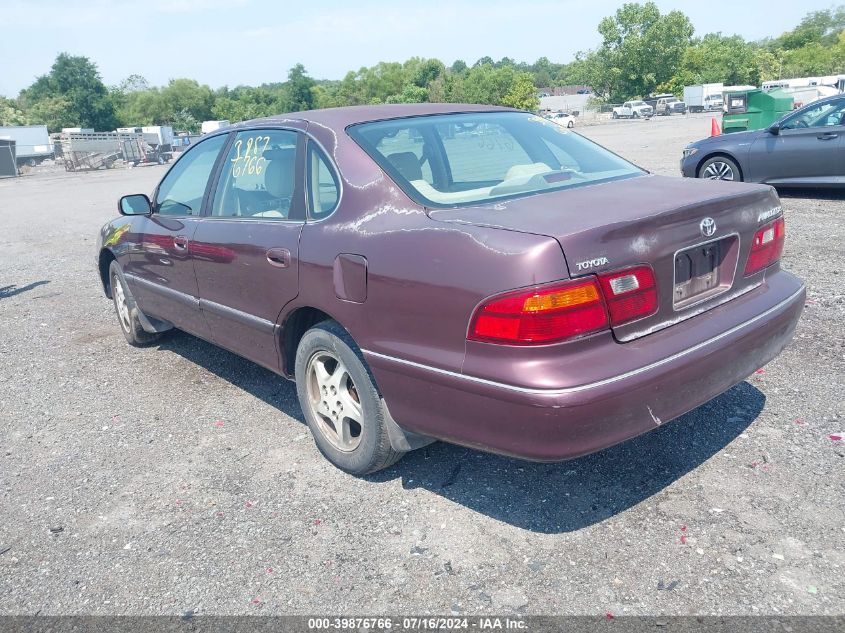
x=558 y=423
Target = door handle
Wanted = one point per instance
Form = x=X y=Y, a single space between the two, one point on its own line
x=827 y=136
x=180 y=242
x=279 y=257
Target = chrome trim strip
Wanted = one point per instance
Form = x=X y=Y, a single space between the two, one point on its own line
x=234 y=314
x=170 y=293
x=600 y=383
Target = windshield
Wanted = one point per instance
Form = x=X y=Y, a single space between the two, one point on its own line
x=457 y=159
x=637 y=103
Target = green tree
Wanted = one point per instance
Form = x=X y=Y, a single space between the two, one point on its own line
x=410 y=94
x=641 y=48
x=300 y=89
x=10 y=114
x=429 y=70
x=54 y=112
x=522 y=94
x=817 y=27
x=716 y=58
x=73 y=95
x=184 y=121
x=459 y=67
x=188 y=95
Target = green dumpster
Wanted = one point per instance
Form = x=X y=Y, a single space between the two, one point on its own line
x=754 y=109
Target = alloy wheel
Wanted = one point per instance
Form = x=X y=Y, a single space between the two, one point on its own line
x=718 y=170
x=121 y=303
x=334 y=401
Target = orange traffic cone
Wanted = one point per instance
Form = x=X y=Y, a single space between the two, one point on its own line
x=714 y=127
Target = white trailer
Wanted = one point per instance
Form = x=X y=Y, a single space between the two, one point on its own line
x=159 y=136
x=704 y=97
x=32 y=142
x=211 y=126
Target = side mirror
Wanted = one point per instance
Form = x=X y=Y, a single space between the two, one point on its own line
x=136 y=204
x=774 y=129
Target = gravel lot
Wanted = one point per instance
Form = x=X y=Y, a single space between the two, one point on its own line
x=181 y=478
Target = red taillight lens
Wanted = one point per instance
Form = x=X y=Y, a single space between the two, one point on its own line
x=537 y=316
x=630 y=294
x=767 y=246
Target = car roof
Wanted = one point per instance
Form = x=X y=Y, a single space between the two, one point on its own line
x=340 y=118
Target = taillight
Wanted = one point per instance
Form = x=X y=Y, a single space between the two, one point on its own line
x=560 y=311
x=630 y=294
x=767 y=246
x=540 y=315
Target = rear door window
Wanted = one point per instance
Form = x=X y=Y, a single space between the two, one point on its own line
x=323 y=189
x=258 y=176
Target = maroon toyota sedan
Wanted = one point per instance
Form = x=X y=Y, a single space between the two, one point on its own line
x=471 y=274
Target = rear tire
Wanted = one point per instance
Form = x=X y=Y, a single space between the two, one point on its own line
x=127 y=310
x=615 y=115
x=340 y=401
x=720 y=168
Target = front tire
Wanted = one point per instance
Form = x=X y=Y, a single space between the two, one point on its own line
x=127 y=310
x=720 y=168
x=340 y=401
x=570 y=125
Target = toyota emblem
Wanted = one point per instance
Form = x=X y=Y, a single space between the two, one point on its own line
x=708 y=227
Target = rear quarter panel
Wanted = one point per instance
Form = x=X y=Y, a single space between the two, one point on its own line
x=424 y=278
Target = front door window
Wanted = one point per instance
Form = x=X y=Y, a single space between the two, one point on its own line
x=183 y=188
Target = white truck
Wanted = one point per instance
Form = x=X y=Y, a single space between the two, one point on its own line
x=633 y=110
x=32 y=142
x=211 y=126
x=704 y=97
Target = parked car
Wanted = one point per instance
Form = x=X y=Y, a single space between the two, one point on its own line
x=633 y=110
x=804 y=148
x=562 y=118
x=666 y=105
x=466 y=273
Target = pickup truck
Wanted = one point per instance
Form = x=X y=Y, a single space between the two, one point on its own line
x=666 y=105
x=633 y=110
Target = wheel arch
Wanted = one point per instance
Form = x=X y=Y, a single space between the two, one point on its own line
x=294 y=326
x=104 y=260
x=723 y=154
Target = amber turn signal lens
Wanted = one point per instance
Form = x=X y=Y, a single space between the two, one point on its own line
x=541 y=315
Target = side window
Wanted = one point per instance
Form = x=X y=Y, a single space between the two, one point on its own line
x=822 y=115
x=323 y=190
x=257 y=181
x=182 y=190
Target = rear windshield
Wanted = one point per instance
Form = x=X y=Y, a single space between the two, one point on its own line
x=459 y=159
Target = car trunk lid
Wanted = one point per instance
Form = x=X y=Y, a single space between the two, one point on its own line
x=695 y=234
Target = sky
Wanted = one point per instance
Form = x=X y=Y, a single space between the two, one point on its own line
x=231 y=42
